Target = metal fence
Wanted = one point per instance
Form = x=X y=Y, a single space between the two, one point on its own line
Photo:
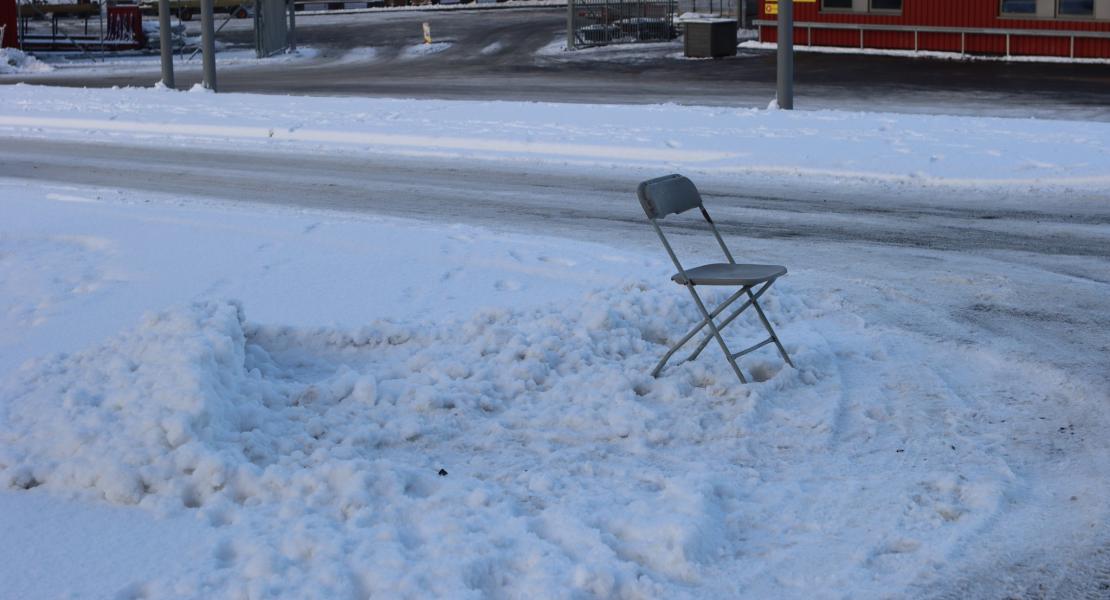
x=600 y=22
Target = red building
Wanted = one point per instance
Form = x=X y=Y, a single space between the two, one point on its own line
x=1067 y=28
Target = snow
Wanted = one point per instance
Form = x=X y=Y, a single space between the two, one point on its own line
x=421 y=50
x=361 y=54
x=556 y=50
x=1024 y=156
x=570 y=471
x=56 y=547
x=13 y=61
x=493 y=48
x=264 y=402
x=225 y=59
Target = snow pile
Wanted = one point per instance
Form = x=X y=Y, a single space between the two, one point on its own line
x=528 y=453
x=360 y=54
x=421 y=50
x=493 y=48
x=13 y=60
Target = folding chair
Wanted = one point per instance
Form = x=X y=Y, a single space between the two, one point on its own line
x=675 y=194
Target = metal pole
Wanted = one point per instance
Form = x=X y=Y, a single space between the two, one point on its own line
x=259 y=31
x=570 y=24
x=292 y=25
x=786 y=55
x=208 y=42
x=165 y=39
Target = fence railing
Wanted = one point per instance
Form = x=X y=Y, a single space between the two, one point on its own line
x=601 y=22
x=963 y=32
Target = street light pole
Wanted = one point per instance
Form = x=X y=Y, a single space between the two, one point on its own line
x=165 y=39
x=208 y=42
x=786 y=55
x=292 y=43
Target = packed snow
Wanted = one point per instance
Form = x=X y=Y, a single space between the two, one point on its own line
x=80 y=66
x=15 y=61
x=1023 y=156
x=422 y=50
x=312 y=404
x=569 y=471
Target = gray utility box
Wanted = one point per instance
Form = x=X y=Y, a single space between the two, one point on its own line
x=710 y=38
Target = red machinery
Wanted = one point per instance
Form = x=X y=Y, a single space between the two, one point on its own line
x=9 y=20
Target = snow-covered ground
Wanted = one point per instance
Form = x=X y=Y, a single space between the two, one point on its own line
x=1023 y=157
x=79 y=66
x=200 y=399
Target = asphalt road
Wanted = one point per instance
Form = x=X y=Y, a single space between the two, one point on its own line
x=494 y=56
x=518 y=198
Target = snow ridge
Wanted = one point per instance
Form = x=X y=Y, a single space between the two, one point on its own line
x=521 y=453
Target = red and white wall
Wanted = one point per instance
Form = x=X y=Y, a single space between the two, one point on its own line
x=1066 y=28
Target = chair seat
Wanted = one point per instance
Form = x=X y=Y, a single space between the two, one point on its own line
x=728 y=274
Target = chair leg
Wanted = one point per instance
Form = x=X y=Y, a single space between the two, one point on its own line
x=770 y=330
x=717 y=334
x=666 y=357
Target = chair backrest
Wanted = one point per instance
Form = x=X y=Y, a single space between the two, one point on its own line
x=668 y=195
x=671 y=195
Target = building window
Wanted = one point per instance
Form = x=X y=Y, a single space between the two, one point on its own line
x=889 y=5
x=1076 y=8
x=1019 y=7
x=857 y=6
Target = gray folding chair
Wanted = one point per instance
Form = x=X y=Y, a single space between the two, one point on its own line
x=676 y=194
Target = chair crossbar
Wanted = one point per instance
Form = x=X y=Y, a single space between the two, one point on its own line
x=753 y=348
x=732 y=317
x=686 y=338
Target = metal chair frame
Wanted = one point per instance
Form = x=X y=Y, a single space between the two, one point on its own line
x=709 y=316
